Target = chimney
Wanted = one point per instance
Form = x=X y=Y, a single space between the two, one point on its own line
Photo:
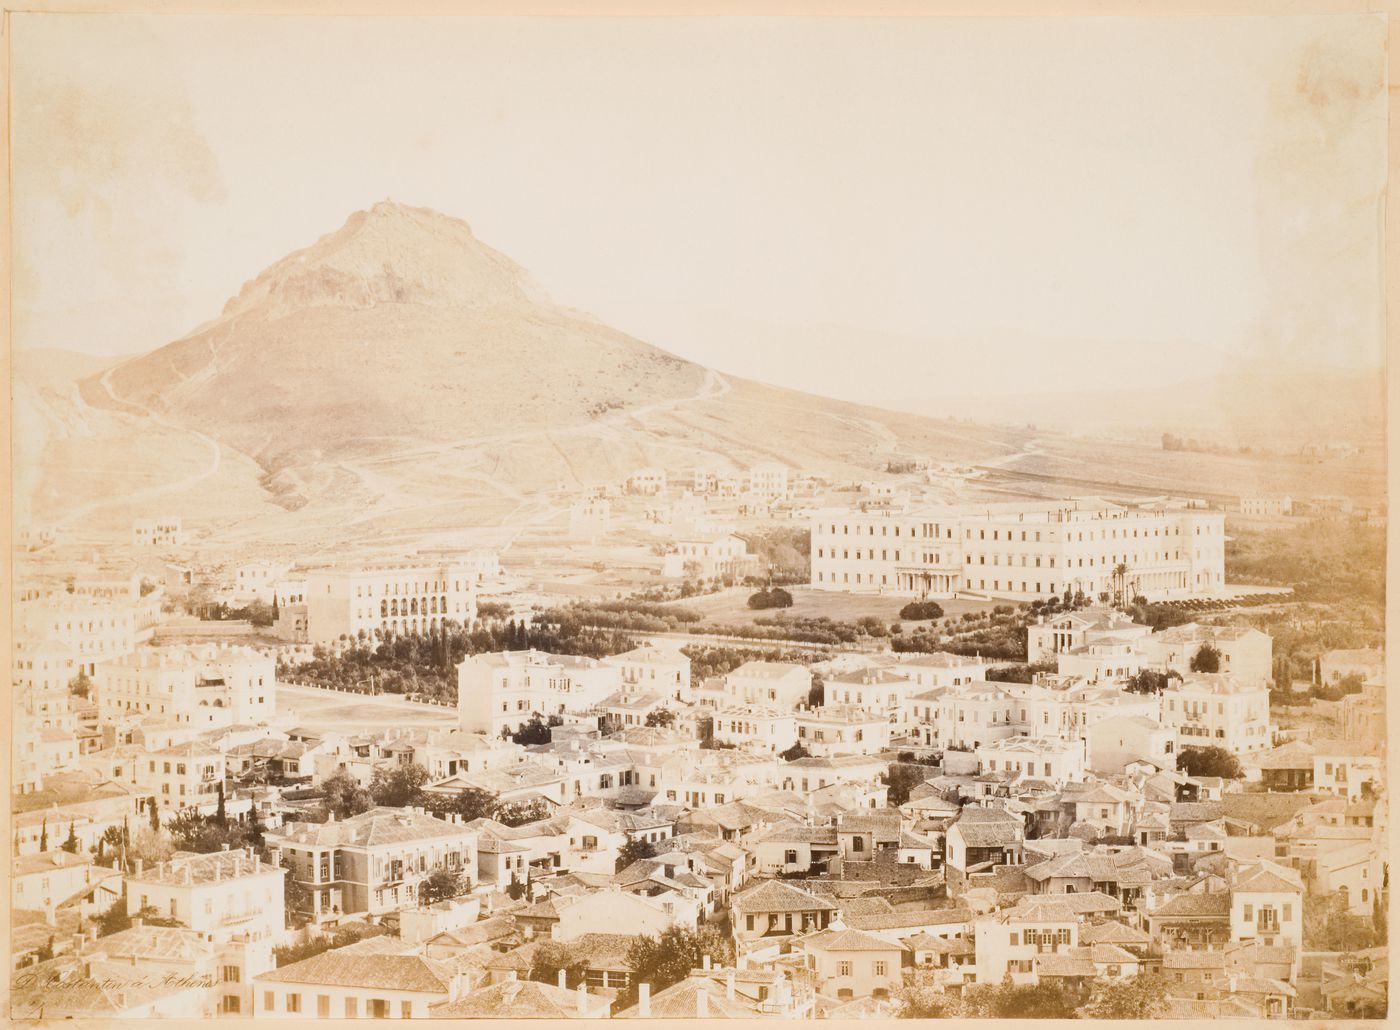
x=582 y=995
x=729 y=985
x=224 y=846
x=92 y=934
x=510 y=975
x=140 y=866
x=563 y=979
x=78 y=939
x=1234 y=983
x=138 y=922
x=644 y=1001
x=705 y=963
x=702 y=1004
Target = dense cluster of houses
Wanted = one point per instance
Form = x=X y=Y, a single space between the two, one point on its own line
x=849 y=828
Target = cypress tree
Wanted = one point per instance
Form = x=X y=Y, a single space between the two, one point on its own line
x=155 y=815
x=220 y=815
x=44 y=834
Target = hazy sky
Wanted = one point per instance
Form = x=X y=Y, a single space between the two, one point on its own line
x=937 y=205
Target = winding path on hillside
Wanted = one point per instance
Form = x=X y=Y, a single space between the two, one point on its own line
x=132 y=408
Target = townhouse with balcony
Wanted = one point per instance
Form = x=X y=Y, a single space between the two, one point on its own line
x=373 y=863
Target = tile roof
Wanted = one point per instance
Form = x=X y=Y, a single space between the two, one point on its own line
x=1213 y=906
x=776 y=896
x=186 y=867
x=339 y=968
x=847 y=940
x=522 y=999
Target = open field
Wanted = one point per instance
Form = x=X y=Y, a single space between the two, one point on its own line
x=352 y=713
x=731 y=606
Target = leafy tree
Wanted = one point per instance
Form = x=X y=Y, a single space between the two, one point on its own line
x=816 y=693
x=927 y=1004
x=1328 y=926
x=902 y=779
x=296 y=897
x=1209 y=761
x=668 y=958
x=441 y=885
x=516 y=890
x=770 y=597
x=151 y=846
x=71 y=844
x=1141 y=997
x=343 y=797
x=472 y=803
x=533 y=732
x=795 y=752
x=401 y=786
x=1149 y=681
x=80 y=685
x=661 y=717
x=1207 y=659
x=1020 y=1001
x=518 y=813
x=634 y=851
x=191 y=831
x=918 y=611
x=153 y=812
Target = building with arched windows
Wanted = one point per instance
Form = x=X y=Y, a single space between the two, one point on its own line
x=379 y=601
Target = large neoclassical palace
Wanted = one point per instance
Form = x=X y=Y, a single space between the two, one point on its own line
x=1022 y=550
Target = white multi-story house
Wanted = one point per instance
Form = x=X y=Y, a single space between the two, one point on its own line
x=256 y=580
x=648 y=482
x=1348 y=768
x=1266 y=904
x=209 y=686
x=768 y=479
x=1021 y=550
x=660 y=670
x=1216 y=710
x=500 y=692
x=780 y=684
x=1009 y=941
x=722 y=554
x=375 y=601
x=42 y=673
x=1266 y=505
x=590 y=519
x=224 y=895
x=842 y=730
x=770 y=729
x=963 y=717
x=1245 y=652
x=878 y=690
x=1048 y=759
x=166 y=531
x=942 y=669
x=94 y=628
x=1367 y=663
x=372 y=863
x=182 y=775
x=1119 y=741
x=1070 y=631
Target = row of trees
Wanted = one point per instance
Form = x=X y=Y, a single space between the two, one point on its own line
x=425 y=663
x=401 y=786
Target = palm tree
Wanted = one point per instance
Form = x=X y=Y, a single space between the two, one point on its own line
x=1120 y=581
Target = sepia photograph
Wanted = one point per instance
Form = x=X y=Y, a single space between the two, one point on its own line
x=697 y=517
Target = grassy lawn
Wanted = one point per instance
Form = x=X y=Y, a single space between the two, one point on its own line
x=732 y=605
